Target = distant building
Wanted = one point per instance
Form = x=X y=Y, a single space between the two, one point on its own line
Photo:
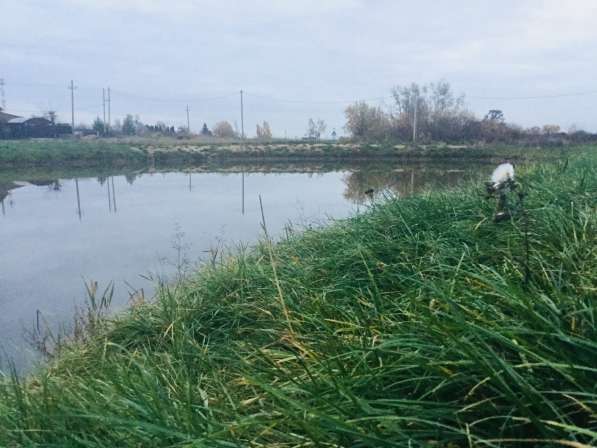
x=4 y=117
x=13 y=126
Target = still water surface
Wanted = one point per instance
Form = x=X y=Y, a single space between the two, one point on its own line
x=57 y=233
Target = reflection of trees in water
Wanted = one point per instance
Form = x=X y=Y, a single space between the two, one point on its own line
x=6 y=197
x=52 y=184
x=3 y=195
x=130 y=178
x=4 y=190
x=402 y=182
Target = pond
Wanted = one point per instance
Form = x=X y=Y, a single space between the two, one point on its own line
x=59 y=230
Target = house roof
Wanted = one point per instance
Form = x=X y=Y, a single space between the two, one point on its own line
x=4 y=117
x=17 y=120
x=31 y=120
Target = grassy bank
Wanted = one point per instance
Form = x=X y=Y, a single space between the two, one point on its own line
x=409 y=325
x=166 y=152
x=60 y=152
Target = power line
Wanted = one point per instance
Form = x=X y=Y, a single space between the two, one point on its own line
x=533 y=97
x=174 y=101
x=354 y=100
x=330 y=101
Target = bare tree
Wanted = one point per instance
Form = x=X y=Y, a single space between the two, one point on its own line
x=364 y=121
x=264 y=131
x=495 y=115
x=550 y=129
x=223 y=129
x=315 y=128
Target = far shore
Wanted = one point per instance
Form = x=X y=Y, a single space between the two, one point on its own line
x=140 y=152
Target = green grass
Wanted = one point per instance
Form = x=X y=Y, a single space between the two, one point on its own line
x=146 y=151
x=410 y=325
x=58 y=152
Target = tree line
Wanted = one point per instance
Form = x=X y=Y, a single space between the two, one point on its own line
x=130 y=126
x=434 y=113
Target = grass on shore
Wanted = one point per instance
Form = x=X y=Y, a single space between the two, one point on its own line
x=135 y=152
x=407 y=326
x=65 y=152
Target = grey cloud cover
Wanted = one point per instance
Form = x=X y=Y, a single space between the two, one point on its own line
x=159 y=55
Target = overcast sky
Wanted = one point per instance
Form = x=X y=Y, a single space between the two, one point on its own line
x=297 y=59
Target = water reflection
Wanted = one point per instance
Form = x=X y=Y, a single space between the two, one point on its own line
x=362 y=185
x=58 y=228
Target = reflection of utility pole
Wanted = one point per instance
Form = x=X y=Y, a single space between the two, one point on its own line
x=3 y=209
x=114 y=195
x=109 y=195
x=78 y=198
x=412 y=182
x=190 y=184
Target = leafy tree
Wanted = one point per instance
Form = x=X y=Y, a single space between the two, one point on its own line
x=205 y=131
x=129 y=125
x=98 y=126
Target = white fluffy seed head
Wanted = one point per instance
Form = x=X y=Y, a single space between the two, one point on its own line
x=502 y=174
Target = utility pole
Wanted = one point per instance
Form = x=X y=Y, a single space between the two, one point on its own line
x=242 y=117
x=109 y=100
x=188 y=121
x=72 y=104
x=104 y=106
x=2 y=97
x=415 y=118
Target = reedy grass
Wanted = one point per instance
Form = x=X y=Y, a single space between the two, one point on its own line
x=409 y=325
